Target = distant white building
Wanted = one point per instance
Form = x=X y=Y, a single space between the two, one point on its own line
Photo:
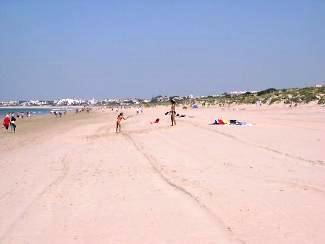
x=237 y=92
x=92 y=101
x=13 y=103
x=177 y=98
x=162 y=98
x=9 y=103
x=70 y=102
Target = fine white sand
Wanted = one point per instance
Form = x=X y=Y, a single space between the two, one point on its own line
x=74 y=180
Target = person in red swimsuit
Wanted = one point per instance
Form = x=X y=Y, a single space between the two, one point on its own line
x=6 y=121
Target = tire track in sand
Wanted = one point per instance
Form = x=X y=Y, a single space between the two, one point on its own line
x=269 y=149
x=55 y=182
x=153 y=162
x=300 y=185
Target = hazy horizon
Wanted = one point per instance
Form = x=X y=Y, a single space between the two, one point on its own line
x=144 y=49
x=147 y=97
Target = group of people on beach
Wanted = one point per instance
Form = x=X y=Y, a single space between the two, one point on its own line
x=58 y=113
x=10 y=121
x=172 y=113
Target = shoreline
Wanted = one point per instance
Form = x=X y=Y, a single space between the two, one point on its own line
x=39 y=107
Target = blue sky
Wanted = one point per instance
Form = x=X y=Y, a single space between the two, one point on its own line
x=51 y=49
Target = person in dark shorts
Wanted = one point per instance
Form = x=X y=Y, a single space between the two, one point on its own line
x=13 y=123
x=173 y=112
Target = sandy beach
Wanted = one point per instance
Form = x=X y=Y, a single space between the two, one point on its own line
x=74 y=180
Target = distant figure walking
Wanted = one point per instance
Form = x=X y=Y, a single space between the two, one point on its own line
x=120 y=117
x=13 y=123
x=173 y=112
x=6 y=121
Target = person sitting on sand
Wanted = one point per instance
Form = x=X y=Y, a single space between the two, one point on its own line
x=155 y=122
x=6 y=121
x=173 y=112
x=118 y=122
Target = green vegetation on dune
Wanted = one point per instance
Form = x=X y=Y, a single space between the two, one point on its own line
x=290 y=96
x=287 y=96
x=270 y=96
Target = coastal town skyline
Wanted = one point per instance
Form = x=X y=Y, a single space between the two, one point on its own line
x=82 y=99
x=287 y=96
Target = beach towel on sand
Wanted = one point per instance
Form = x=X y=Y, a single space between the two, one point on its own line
x=220 y=122
x=230 y=122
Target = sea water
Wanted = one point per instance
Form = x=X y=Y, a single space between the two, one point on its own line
x=33 y=111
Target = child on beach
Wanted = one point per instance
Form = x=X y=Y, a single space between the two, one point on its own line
x=118 y=122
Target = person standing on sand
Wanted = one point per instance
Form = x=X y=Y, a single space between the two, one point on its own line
x=6 y=121
x=173 y=112
x=118 y=122
x=13 y=123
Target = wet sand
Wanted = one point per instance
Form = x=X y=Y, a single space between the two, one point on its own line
x=74 y=180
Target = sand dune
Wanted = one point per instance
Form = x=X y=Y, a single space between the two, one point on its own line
x=74 y=180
